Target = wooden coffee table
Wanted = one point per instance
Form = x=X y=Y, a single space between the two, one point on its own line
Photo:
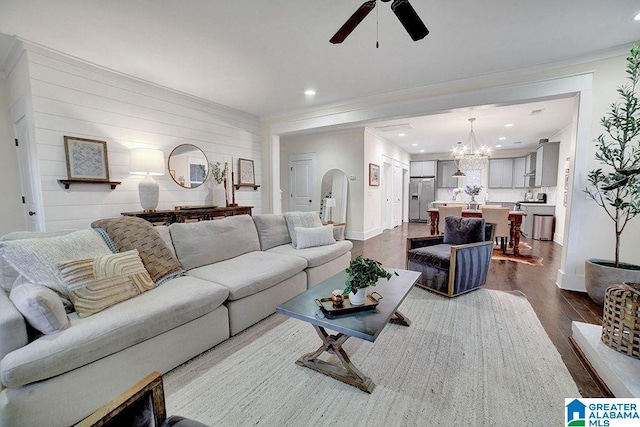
x=365 y=325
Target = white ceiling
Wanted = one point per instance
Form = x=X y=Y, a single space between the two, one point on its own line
x=259 y=56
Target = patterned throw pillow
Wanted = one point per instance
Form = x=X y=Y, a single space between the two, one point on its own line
x=37 y=259
x=130 y=233
x=98 y=283
x=316 y=236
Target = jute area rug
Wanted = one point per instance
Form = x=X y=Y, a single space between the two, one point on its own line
x=525 y=256
x=481 y=359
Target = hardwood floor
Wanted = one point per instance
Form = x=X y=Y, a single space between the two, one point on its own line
x=555 y=308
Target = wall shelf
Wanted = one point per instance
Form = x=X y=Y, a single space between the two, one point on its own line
x=68 y=182
x=255 y=186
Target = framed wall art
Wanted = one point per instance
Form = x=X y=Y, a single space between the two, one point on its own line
x=374 y=175
x=86 y=159
x=246 y=173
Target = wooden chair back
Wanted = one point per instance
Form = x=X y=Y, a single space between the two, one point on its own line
x=445 y=211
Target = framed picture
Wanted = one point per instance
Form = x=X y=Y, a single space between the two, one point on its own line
x=245 y=172
x=374 y=175
x=86 y=159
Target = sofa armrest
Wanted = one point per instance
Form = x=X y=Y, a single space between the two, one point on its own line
x=422 y=241
x=13 y=328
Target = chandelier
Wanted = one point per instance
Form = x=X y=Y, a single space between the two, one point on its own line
x=472 y=156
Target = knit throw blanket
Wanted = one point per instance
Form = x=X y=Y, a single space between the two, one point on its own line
x=130 y=233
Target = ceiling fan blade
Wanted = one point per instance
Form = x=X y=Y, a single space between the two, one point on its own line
x=353 y=22
x=409 y=19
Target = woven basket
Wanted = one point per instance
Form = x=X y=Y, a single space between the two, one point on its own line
x=621 y=319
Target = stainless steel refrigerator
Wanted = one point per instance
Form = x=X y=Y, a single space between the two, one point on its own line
x=422 y=191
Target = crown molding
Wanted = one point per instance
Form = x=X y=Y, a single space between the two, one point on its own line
x=11 y=58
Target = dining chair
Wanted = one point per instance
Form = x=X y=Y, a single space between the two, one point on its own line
x=500 y=217
x=445 y=211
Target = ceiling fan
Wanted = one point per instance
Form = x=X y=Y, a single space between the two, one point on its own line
x=403 y=10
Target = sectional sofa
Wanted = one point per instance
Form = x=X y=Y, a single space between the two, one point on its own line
x=230 y=274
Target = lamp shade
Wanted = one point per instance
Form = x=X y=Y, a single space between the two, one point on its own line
x=143 y=161
x=330 y=203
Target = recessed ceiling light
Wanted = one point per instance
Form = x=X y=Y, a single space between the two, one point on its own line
x=414 y=145
x=309 y=92
x=402 y=134
x=502 y=138
x=637 y=17
x=498 y=145
x=508 y=125
x=422 y=151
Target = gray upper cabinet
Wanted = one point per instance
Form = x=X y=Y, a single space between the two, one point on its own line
x=547 y=164
x=501 y=173
x=446 y=168
x=519 y=171
x=422 y=168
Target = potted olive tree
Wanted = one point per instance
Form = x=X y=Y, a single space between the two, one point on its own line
x=362 y=273
x=615 y=187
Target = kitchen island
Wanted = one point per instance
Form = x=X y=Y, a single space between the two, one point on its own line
x=515 y=218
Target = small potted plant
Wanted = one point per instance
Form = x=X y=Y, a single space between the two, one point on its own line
x=218 y=174
x=362 y=273
x=616 y=187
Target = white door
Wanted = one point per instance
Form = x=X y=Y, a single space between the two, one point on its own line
x=28 y=168
x=302 y=182
x=387 y=203
x=397 y=195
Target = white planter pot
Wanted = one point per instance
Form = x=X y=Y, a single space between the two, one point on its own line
x=358 y=299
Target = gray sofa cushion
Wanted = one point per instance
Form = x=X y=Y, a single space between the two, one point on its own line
x=272 y=230
x=251 y=273
x=207 y=242
x=173 y=304
x=318 y=255
x=436 y=255
x=301 y=219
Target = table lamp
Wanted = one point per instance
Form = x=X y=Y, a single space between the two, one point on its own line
x=147 y=162
x=330 y=203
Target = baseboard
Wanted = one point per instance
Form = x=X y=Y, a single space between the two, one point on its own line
x=359 y=235
x=570 y=282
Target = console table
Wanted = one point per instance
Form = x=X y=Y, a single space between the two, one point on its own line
x=185 y=214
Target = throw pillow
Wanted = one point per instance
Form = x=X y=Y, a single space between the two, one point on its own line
x=40 y=306
x=301 y=219
x=312 y=237
x=37 y=259
x=459 y=231
x=98 y=283
x=130 y=232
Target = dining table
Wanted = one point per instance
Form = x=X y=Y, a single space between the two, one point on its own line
x=515 y=221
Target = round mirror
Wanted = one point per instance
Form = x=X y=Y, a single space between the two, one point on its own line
x=334 y=186
x=188 y=166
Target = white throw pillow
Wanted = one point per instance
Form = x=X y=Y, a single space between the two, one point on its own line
x=309 y=219
x=40 y=306
x=312 y=237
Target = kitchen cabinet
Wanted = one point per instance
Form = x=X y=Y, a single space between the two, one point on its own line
x=547 y=164
x=500 y=173
x=422 y=168
x=446 y=168
x=519 y=171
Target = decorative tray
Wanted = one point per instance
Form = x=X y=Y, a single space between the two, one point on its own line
x=327 y=307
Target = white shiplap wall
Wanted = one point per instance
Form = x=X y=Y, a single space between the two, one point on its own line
x=74 y=98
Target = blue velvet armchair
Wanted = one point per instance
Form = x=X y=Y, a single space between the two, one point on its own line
x=456 y=262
